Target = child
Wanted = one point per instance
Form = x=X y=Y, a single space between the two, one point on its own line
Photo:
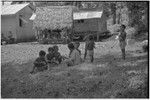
x=74 y=56
x=90 y=45
x=57 y=55
x=50 y=54
x=122 y=40
x=40 y=63
x=76 y=45
x=86 y=41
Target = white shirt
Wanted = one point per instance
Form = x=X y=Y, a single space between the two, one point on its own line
x=75 y=57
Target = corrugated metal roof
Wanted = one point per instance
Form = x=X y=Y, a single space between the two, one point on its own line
x=87 y=15
x=12 y=9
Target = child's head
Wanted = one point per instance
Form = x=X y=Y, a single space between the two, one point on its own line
x=71 y=46
x=90 y=37
x=122 y=27
x=55 y=48
x=76 y=44
x=50 y=49
x=42 y=53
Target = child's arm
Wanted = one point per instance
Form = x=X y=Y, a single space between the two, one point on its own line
x=94 y=45
x=46 y=58
x=72 y=56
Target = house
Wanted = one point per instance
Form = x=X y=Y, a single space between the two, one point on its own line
x=15 y=20
x=52 y=20
x=86 y=22
x=78 y=22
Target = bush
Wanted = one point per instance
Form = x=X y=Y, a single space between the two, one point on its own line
x=114 y=28
x=145 y=46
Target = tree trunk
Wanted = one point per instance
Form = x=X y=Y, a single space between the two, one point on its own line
x=118 y=21
x=114 y=18
x=113 y=9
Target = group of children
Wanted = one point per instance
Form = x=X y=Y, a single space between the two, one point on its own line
x=54 y=57
x=44 y=60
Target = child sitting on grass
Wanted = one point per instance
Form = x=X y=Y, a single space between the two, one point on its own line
x=40 y=63
x=57 y=55
x=50 y=55
x=74 y=56
x=76 y=45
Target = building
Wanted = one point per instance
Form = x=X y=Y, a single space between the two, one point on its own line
x=93 y=22
x=15 y=19
x=52 y=20
x=80 y=22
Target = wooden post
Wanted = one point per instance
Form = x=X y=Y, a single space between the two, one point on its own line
x=3 y=2
x=98 y=30
x=72 y=27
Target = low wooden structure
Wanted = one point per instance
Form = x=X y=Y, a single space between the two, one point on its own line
x=53 y=24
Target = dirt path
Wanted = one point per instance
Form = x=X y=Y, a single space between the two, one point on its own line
x=107 y=77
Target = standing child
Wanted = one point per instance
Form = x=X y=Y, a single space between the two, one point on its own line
x=122 y=40
x=86 y=41
x=40 y=63
x=90 y=45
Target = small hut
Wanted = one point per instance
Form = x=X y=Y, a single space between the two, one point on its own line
x=53 y=23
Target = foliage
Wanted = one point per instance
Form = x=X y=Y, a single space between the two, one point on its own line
x=136 y=11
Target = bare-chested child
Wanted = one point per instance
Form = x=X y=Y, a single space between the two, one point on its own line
x=122 y=40
x=89 y=48
x=40 y=63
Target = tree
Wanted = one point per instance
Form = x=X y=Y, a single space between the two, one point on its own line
x=110 y=9
x=113 y=11
x=136 y=11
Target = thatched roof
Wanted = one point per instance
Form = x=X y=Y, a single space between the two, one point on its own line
x=53 y=17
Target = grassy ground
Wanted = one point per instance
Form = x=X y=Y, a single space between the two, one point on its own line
x=108 y=77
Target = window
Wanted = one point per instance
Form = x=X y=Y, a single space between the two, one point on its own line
x=81 y=21
x=20 y=22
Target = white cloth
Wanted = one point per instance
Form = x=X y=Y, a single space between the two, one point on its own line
x=75 y=57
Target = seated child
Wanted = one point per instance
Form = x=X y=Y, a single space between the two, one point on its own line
x=76 y=45
x=57 y=55
x=50 y=55
x=74 y=56
x=40 y=63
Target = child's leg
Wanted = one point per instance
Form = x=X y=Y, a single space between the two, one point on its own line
x=33 y=69
x=46 y=67
x=59 y=59
x=69 y=63
x=92 y=58
x=123 y=53
x=85 y=54
x=122 y=46
x=91 y=55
